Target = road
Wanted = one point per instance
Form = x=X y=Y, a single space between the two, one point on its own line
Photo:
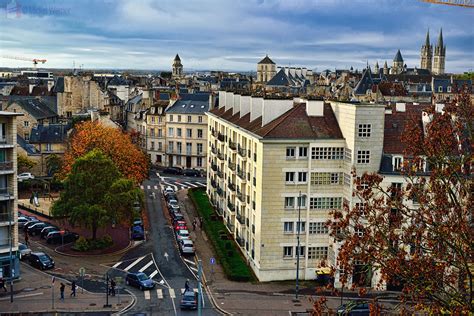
x=159 y=257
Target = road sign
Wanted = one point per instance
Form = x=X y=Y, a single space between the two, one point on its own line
x=213 y=260
x=119 y=280
x=82 y=271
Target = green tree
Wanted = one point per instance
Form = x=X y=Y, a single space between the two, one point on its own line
x=93 y=190
x=53 y=163
x=25 y=163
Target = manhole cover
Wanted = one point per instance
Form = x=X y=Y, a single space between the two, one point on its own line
x=29 y=289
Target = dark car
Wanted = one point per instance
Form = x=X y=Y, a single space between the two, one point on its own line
x=41 y=260
x=191 y=173
x=28 y=224
x=173 y=170
x=177 y=216
x=57 y=238
x=171 y=196
x=45 y=231
x=354 y=308
x=189 y=300
x=137 y=233
x=140 y=280
x=36 y=229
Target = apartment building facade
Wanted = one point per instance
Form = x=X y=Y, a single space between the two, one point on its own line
x=273 y=161
x=9 y=262
x=156 y=132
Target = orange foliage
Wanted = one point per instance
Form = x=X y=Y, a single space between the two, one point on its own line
x=129 y=159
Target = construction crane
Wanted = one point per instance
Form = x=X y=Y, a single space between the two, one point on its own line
x=459 y=3
x=35 y=61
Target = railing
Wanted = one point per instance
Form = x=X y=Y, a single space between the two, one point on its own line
x=213 y=132
x=219 y=191
x=231 y=186
x=230 y=226
x=213 y=150
x=213 y=184
x=253 y=228
x=220 y=137
x=240 y=219
x=241 y=174
x=4 y=140
x=231 y=165
x=5 y=194
x=240 y=241
x=6 y=165
x=214 y=167
x=231 y=206
x=242 y=152
x=232 y=145
x=241 y=197
x=220 y=174
x=220 y=155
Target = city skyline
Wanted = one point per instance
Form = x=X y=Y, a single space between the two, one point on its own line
x=231 y=36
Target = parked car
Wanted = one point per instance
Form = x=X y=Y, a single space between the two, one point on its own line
x=56 y=238
x=180 y=225
x=41 y=260
x=172 y=202
x=25 y=176
x=189 y=300
x=45 y=231
x=137 y=233
x=139 y=280
x=177 y=217
x=22 y=220
x=174 y=208
x=36 y=229
x=28 y=224
x=137 y=222
x=354 y=308
x=173 y=170
x=186 y=246
x=182 y=234
x=24 y=251
x=168 y=190
x=191 y=173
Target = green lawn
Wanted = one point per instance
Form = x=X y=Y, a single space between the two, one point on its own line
x=228 y=255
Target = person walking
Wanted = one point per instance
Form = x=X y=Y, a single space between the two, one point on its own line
x=186 y=286
x=73 y=289
x=61 y=291
x=27 y=238
x=201 y=221
x=112 y=287
x=2 y=284
x=194 y=224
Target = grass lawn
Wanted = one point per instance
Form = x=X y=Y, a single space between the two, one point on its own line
x=227 y=253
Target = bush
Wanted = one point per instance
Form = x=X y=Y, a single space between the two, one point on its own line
x=83 y=244
x=232 y=262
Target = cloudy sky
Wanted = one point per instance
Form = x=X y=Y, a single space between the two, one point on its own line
x=230 y=34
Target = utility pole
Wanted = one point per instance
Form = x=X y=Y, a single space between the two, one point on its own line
x=199 y=287
x=298 y=250
x=107 y=291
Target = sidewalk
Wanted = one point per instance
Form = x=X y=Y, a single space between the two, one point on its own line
x=242 y=298
x=34 y=293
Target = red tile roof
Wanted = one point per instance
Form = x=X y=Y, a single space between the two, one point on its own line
x=293 y=124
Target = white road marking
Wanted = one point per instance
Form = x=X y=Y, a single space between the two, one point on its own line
x=117 y=264
x=194 y=269
x=159 y=293
x=153 y=274
x=142 y=187
x=172 y=293
x=189 y=261
x=192 y=184
x=134 y=263
x=201 y=184
x=171 y=185
x=158 y=175
x=182 y=291
x=155 y=187
x=148 y=187
x=147 y=295
x=146 y=266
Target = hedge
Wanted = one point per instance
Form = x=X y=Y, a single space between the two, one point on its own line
x=235 y=266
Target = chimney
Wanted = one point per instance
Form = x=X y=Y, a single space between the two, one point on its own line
x=315 y=107
x=400 y=107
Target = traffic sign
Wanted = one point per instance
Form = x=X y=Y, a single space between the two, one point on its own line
x=118 y=280
x=213 y=260
x=82 y=271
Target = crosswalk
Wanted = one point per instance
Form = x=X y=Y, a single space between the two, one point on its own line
x=163 y=293
x=144 y=264
x=175 y=184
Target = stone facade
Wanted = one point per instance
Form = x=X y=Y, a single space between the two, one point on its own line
x=266 y=70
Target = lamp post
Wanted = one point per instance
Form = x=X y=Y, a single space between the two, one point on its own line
x=298 y=250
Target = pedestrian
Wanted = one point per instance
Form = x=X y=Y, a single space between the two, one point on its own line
x=27 y=238
x=2 y=284
x=186 y=285
x=73 y=288
x=194 y=224
x=61 y=291
x=112 y=287
x=201 y=221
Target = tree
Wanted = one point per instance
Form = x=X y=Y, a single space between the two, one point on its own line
x=53 y=163
x=24 y=163
x=86 y=136
x=426 y=250
x=95 y=194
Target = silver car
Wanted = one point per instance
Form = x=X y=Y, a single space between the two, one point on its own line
x=23 y=250
x=182 y=234
x=186 y=246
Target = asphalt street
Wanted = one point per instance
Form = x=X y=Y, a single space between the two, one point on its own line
x=159 y=257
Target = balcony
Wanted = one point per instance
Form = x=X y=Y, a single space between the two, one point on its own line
x=213 y=132
x=253 y=229
x=231 y=186
x=220 y=155
x=232 y=165
x=240 y=241
x=240 y=219
x=241 y=175
x=213 y=150
x=6 y=166
x=6 y=217
x=232 y=145
x=241 y=197
x=230 y=226
x=213 y=184
x=230 y=206
x=214 y=167
x=220 y=174
x=220 y=192
x=220 y=137
x=242 y=152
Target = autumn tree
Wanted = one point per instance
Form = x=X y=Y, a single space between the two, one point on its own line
x=24 y=163
x=86 y=136
x=419 y=236
x=95 y=194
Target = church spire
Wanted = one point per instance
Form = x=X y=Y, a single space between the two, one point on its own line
x=440 y=39
x=427 y=42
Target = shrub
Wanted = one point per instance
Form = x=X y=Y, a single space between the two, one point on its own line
x=83 y=244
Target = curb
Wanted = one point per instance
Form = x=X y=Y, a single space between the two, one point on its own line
x=129 y=306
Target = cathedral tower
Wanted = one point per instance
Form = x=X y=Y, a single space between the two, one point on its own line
x=439 y=55
x=177 y=68
x=427 y=53
x=397 y=66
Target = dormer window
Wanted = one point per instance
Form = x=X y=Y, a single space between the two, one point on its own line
x=397 y=163
x=440 y=89
x=449 y=89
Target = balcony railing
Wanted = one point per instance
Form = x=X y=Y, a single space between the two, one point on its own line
x=213 y=150
x=240 y=219
x=241 y=197
x=213 y=132
x=231 y=166
x=241 y=174
x=214 y=167
x=220 y=192
x=230 y=206
x=5 y=140
x=232 y=145
x=213 y=184
x=231 y=186
x=6 y=165
x=220 y=137
x=240 y=241
x=5 y=194
x=220 y=174
x=242 y=152
x=220 y=155
x=230 y=226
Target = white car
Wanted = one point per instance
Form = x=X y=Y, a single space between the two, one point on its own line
x=186 y=246
x=168 y=190
x=182 y=234
x=24 y=251
x=25 y=176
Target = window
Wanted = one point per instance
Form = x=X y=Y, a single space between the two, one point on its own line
x=179 y=118
x=68 y=114
x=170 y=146
x=199 y=161
x=189 y=148
x=160 y=119
x=395 y=189
x=322 y=203
x=153 y=120
x=190 y=119
x=199 y=149
x=326 y=178
x=171 y=118
x=160 y=132
x=26 y=123
x=359 y=231
x=199 y=133
x=179 y=147
x=397 y=163
x=303 y=152
x=320 y=253
x=449 y=89
x=160 y=146
x=440 y=89
x=301 y=226
x=327 y=153
x=301 y=251
x=26 y=137
x=170 y=132
x=199 y=119
x=288 y=227
x=287 y=251
x=301 y=201
x=364 y=130
x=178 y=160
x=318 y=228
x=302 y=176
x=178 y=132
x=152 y=132
x=189 y=133
x=290 y=177
x=49 y=147
x=289 y=202
x=290 y=152
x=152 y=145
x=363 y=156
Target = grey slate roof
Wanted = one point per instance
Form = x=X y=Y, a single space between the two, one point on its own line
x=30 y=149
x=53 y=133
x=37 y=108
x=365 y=83
x=201 y=96
x=266 y=60
x=118 y=81
x=398 y=57
x=281 y=79
x=189 y=107
x=59 y=85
